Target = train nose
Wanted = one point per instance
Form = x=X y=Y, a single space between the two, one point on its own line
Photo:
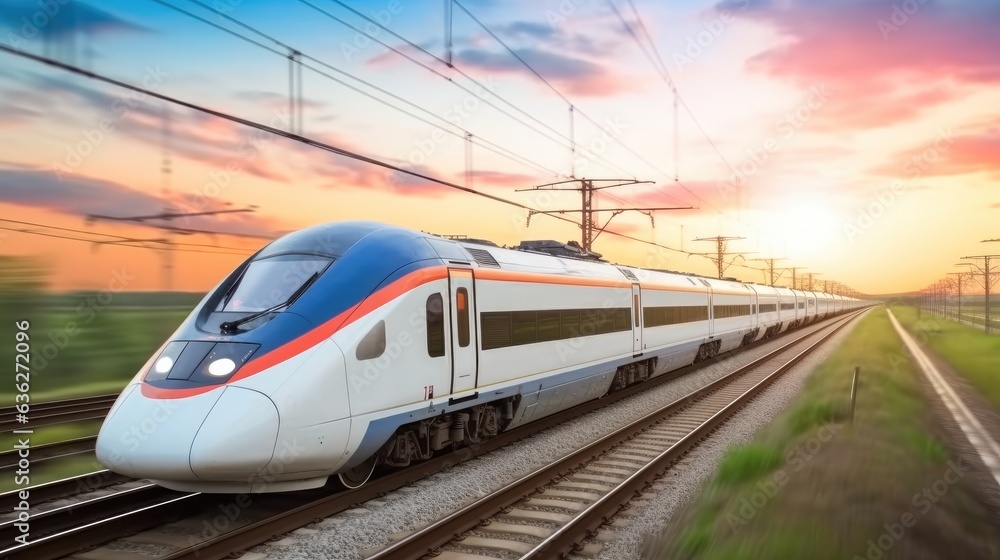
x=144 y=437
x=238 y=437
x=226 y=434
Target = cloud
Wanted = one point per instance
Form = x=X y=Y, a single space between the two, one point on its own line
x=195 y=136
x=12 y=115
x=554 y=38
x=530 y=30
x=72 y=195
x=500 y=178
x=882 y=67
x=573 y=75
x=276 y=101
x=59 y=19
x=971 y=153
x=995 y=205
x=82 y=196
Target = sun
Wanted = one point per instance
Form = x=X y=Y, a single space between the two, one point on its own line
x=803 y=224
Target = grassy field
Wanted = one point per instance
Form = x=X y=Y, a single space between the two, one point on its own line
x=87 y=351
x=812 y=485
x=972 y=352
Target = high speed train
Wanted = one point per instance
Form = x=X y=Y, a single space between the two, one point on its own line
x=345 y=346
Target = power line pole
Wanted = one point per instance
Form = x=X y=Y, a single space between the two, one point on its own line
x=962 y=279
x=588 y=225
x=770 y=269
x=720 y=252
x=987 y=271
x=166 y=170
x=795 y=277
x=810 y=285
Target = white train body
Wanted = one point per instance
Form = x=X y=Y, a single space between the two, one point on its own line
x=406 y=344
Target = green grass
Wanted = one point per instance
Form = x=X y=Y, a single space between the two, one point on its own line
x=749 y=462
x=970 y=351
x=54 y=434
x=812 y=485
x=85 y=352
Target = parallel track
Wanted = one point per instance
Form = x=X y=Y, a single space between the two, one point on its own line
x=57 y=412
x=64 y=488
x=40 y=454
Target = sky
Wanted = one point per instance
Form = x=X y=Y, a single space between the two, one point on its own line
x=858 y=141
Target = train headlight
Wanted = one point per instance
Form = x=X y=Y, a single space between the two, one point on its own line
x=222 y=367
x=164 y=364
x=225 y=359
x=167 y=362
x=199 y=362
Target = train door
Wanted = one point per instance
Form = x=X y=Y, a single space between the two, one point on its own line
x=636 y=320
x=464 y=370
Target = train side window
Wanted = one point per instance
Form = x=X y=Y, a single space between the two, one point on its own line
x=635 y=311
x=622 y=319
x=462 y=303
x=548 y=325
x=373 y=344
x=435 y=326
x=523 y=328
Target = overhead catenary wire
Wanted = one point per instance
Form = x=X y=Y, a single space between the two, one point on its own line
x=462 y=134
x=301 y=139
x=652 y=54
x=168 y=246
x=285 y=46
x=665 y=74
x=112 y=237
x=261 y=126
x=487 y=144
x=550 y=86
x=562 y=138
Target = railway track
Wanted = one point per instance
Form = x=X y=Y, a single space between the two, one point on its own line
x=41 y=454
x=134 y=513
x=57 y=412
x=64 y=488
x=550 y=512
x=61 y=531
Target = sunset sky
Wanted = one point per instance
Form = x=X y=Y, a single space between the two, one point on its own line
x=859 y=140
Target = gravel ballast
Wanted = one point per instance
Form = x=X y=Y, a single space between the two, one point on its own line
x=345 y=535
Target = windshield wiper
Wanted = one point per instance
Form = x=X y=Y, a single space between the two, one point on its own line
x=230 y=326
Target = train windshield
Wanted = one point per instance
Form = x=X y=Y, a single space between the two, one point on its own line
x=272 y=281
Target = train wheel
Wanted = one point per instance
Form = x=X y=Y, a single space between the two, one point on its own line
x=359 y=475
